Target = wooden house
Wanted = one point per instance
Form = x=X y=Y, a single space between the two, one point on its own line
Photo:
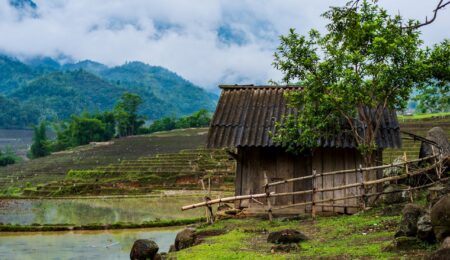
x=245 y=117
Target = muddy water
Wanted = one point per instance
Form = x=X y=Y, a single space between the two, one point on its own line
x=96 y=210
x=84 y=245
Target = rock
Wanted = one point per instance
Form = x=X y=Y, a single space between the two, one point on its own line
x=439 y=136
x=441 y=254
x=184 y=239
x=395 y=197
x=392 y=210
x=425 y=229
x=172 y=248
x=224 y=207
x=404 y=244
x=161 y=256
x=445 y=243
x=284 y=248
x=286 y=236
x=436 y=192
x=143 y=249
x=440 y=218
x=394 y=171
x=408 y=223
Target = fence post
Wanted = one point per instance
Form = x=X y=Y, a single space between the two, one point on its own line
x=266 y=190
x=405 y=158
x=437 y=168
x=210 y=211
x=362 y=188
x=313 y=196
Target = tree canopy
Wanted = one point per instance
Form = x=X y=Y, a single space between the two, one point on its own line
x=366 y=59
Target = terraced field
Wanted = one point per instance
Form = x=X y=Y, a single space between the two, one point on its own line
x=418 y=126
x=182 y=170
x=54 y=168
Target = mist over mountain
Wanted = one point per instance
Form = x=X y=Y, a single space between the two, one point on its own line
x=42 y=88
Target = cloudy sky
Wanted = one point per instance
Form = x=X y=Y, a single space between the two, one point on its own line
x=206 y=41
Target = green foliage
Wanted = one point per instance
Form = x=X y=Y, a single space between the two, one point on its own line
x=200 y=118
x=126 y=114
x=40 y=146
x=435 y=97
x=16 y=115
x=365 y=60
x=8 y=157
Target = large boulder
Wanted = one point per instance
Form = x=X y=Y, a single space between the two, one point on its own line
x=425 y=229
x=441 y=254
x=395 y=193
x=143 y=249
x=437 y=135
x=410 y=216
x=445 y=243
x=185 y=238
x=394 y=171
x=286 y=236
x=440 y=218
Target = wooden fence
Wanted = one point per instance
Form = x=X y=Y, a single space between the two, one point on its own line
x=363 y=186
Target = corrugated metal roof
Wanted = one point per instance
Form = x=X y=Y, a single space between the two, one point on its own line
x=246 y=114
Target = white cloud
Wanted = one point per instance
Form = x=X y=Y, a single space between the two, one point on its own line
x=179 y=35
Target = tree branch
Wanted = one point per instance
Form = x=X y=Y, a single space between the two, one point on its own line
x=440 y=6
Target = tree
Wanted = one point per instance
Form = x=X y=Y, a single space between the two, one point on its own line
x=40 y=146
x=366 y=62
x=126 y=114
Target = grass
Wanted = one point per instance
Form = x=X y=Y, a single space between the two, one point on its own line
x=360 y=236
x=119 y=225
x=423 y=116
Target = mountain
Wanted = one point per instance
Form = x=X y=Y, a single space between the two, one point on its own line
x=60 y=94
x=54 y=91
x=13 y=74
x=166 y=85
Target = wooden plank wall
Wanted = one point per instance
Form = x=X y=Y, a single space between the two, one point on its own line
x=280 y=165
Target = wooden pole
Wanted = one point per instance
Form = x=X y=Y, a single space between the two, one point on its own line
x=313 y=196
x=405 y=158
x=206 y=209
x=266 y=190
x=362 y=188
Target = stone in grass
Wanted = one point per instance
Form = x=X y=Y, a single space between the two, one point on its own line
x=408 y=224
x=440 y=218
x=185 y=238
x=143 y=249
x=404 y=244
x=425 y=229
x=284 y=248
x=286 y=236
x=445 y=243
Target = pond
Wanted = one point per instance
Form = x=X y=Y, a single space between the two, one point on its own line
x=82 y=211
x=114 y=244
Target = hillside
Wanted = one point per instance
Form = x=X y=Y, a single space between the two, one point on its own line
x=49 y=90
x=56 y=166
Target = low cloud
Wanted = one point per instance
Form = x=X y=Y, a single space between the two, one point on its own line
x=207 y=42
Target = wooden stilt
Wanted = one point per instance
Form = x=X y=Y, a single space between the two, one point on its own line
x=266 y=190
x=362 y=188
x=313 y=196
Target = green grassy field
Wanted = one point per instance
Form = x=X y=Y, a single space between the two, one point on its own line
x=360 y=236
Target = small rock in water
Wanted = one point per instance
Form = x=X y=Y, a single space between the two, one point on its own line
x=143 y=249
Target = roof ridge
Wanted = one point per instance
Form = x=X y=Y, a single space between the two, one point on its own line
x=249 y=86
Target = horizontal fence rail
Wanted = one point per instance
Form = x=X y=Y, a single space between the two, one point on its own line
x=363 y=186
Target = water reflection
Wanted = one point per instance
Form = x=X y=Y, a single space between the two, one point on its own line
x=95 y=210
x=115 y=244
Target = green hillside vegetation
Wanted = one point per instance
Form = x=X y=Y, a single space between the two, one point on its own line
x=48 y=90
x=55 y=166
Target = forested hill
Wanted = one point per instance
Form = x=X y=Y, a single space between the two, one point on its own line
x=42 y=88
